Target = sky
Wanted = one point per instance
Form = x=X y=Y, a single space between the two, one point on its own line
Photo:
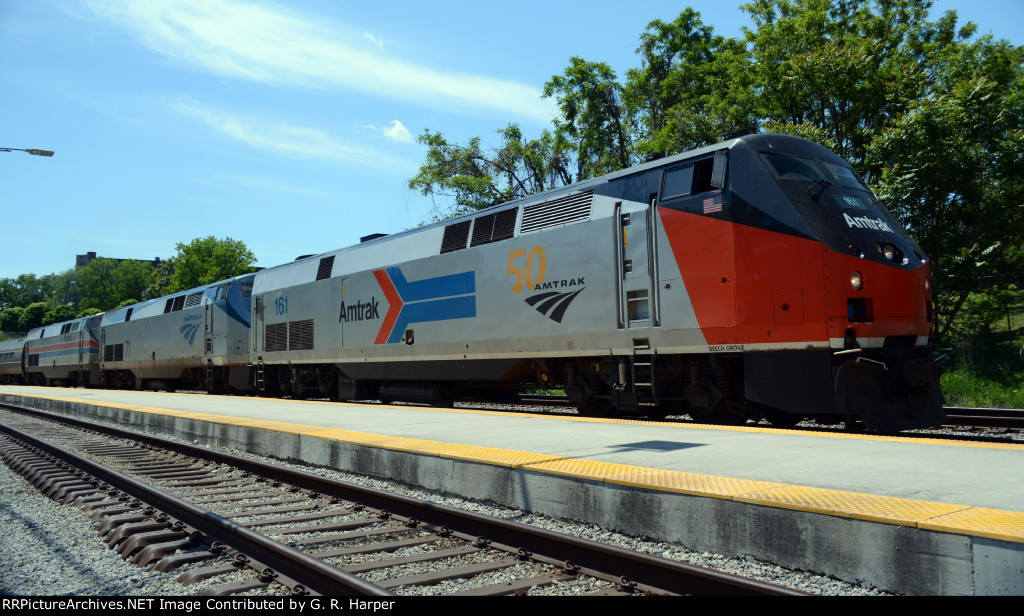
x=290 y=126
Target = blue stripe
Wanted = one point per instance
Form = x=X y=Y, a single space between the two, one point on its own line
x=48 y=354
x=436 y=310
x=432 y=288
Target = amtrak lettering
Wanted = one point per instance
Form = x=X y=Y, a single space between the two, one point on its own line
x=553 y=304
x=863 y=222
x=558 y=284
x=359 y=311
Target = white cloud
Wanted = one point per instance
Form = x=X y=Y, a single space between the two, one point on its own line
x=398 y=132
x=271 y=44
x=296 y=140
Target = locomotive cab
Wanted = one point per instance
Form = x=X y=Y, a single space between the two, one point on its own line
x=842 y=264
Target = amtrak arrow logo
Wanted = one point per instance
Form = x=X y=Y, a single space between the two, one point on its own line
x=432 y=299
x=553 y=305
x=189 y=331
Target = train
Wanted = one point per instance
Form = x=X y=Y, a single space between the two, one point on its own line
x=757 y=278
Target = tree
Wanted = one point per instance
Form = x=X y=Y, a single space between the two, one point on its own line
x=105 y=283
x=26 y=289
x=66 y=288
x=475 y=179
x=593 y=125
x=161 y=284
x=10 y=318
x=837 y=71
x=688 y=90
x=58 y=313
x=8 y=293
x=206 y=260
x=32 y=317
x=957 y=182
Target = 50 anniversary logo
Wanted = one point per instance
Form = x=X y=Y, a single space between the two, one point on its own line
x=551 y=304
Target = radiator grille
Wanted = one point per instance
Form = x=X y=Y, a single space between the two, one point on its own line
x=494 y=227
x=561 y=211
x=300 y=335
x=455 y=236
x=276 y=337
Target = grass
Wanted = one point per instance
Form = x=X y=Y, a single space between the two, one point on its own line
x=969 y=387
x=987 y=368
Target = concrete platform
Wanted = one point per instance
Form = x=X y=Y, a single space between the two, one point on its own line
x=920 y=517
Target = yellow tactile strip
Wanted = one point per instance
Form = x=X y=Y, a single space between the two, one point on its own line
x=943 y=517
x=990 y=523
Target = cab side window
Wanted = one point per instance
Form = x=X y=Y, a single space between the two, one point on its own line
x=689 y=179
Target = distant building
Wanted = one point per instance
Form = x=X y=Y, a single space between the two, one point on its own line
x=83 y=260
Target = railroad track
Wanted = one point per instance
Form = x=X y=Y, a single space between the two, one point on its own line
x=280 y=531
x=957 y=416
x=986 y=418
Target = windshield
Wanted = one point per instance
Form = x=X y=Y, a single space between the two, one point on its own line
x=846 y=176
x=787 y=167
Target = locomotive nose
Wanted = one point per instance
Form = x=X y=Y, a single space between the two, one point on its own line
x=876 y=300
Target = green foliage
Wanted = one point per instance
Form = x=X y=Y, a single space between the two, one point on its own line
x=847 y=67
x=32 y=317
x=66 y=288
x=593 y=124
x=161 y=284
x=59 y=313
x=25 y=289
x=685 y=95
x=206 y=260
x=474 y=179
x=105 y=283
x=956 y=180
x=10 y=319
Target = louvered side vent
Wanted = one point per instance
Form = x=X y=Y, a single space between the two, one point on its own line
x=276 y=337
x=300 y=335
x=326 y=267
x=482 y=228
x=562 y=211
x=193 y=299
x=494 y=227
x=504 y=225
x=455 y=236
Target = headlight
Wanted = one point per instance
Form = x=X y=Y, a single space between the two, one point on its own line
x=889 y=251
x=856 y=281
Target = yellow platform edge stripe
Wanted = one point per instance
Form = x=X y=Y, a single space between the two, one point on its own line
x=941 y=517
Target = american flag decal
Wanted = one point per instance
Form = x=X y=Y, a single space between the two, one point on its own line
x=712 y=205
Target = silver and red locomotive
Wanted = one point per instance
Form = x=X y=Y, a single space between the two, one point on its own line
x=759 y=277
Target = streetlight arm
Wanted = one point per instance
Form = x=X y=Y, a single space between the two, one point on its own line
x=32 y=150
